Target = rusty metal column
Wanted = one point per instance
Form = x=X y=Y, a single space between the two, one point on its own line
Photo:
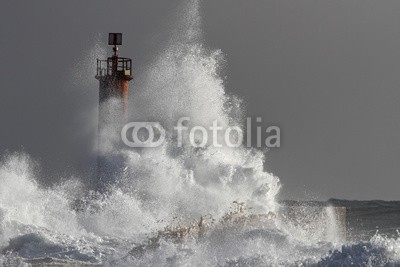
x=114 y=74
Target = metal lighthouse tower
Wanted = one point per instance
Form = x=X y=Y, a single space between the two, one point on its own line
x=114 y=74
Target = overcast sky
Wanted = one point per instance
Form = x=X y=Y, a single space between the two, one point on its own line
x=326 y=72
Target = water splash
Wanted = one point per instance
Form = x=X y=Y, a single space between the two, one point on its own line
x=166 y=187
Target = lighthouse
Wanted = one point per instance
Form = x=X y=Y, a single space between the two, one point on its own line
x=114 y=75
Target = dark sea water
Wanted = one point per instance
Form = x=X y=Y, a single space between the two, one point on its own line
x=365 y=218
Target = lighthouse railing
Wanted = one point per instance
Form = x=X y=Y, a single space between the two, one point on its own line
x=105 y=67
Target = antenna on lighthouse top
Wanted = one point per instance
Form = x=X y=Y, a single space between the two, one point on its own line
x=115 y=39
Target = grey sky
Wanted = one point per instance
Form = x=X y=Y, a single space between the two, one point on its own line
x=326 y=72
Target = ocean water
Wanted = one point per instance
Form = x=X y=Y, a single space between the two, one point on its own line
x=169 y=206
x=366 y=219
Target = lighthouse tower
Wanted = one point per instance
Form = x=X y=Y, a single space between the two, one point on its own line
x=114 y=74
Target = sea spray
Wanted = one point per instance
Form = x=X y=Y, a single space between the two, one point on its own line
x=157 y=185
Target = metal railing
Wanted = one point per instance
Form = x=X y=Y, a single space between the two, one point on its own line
x=105 y=67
